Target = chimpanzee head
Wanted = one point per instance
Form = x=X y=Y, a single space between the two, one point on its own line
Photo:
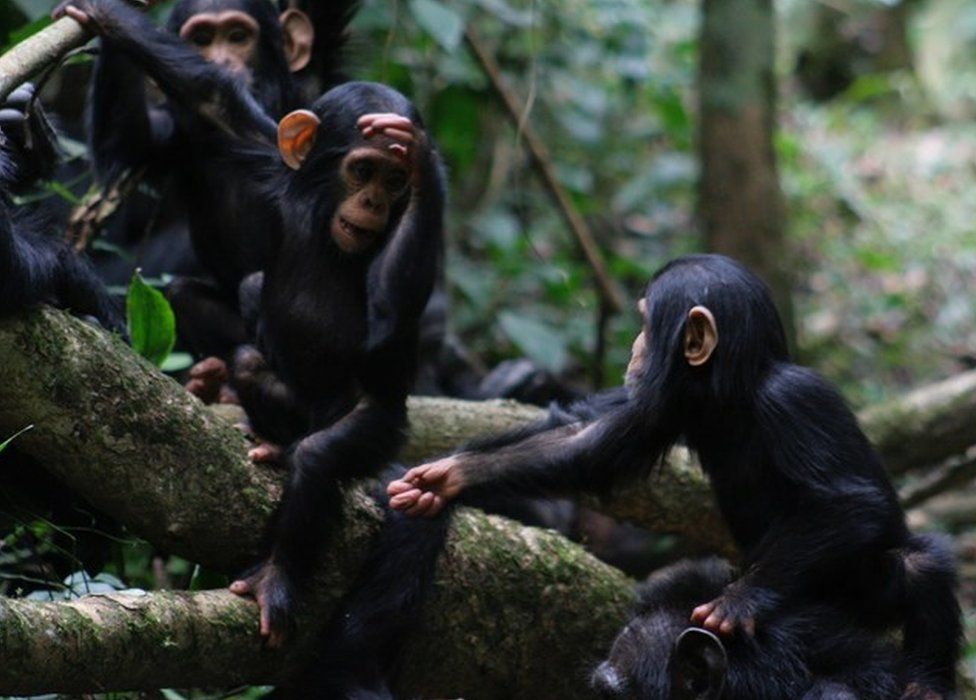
x=709 y=323
x=361 y=185
x=657 y=656
x=249 y=39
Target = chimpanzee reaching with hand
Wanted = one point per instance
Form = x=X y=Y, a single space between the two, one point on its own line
x=805 y=497
x=36 y=267
x=357 y=190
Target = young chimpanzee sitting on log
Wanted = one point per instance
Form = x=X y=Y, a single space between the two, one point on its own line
x=357 y=189
x=805 y=497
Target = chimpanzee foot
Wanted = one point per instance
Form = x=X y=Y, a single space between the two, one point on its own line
x=274 y=593
x=734 y=610
x=697 y=666
x=265 y=452
x=208 y=379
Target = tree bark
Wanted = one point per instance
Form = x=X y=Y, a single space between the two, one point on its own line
x=740 y=202
x=516 y=612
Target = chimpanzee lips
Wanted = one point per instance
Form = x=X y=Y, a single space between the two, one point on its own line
x=351 y=229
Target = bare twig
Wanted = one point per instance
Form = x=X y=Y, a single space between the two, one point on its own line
x=542 y=162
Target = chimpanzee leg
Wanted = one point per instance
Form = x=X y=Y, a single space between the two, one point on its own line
x=207 y=321
x=275 y=413
x=933 y=623
x=358 y=445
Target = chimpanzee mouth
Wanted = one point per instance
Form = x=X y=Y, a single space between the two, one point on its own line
x=351 y=229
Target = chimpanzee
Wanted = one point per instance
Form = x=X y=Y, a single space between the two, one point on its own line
x=35 y=267
x=356 y=190
x=805 y=497
x=230 y=236
x=810 y=651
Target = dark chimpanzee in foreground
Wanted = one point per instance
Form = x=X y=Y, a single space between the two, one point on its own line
x=810 y=651
x=357 y=192
x=806 y=498
x=35 y=267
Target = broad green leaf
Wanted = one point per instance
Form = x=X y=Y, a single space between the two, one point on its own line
x=152 y=325
x=177 y=362
x=437 y=19
x=6 y=443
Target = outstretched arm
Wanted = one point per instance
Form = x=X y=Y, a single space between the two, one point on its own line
x=567 y=458
x=185 y=76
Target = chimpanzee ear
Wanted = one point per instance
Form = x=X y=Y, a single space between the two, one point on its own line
x=701 y=336
x=296 y=136
x=299 y=36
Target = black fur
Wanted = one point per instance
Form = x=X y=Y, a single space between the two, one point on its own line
x=809 y=651
x=35 y=266
x=805 y=497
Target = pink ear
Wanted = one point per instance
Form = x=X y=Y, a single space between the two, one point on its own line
x=296 y=136
x=299 y=36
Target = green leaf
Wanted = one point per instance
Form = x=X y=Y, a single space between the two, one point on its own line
x=6 y=443
x=152 y=325
x=177 y=362
x=63 y=192
x=437 y=19
x=543 y=344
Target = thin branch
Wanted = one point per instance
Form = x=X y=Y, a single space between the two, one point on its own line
x=542 y=162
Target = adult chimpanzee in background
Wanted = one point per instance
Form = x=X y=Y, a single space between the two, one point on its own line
x=36 y=267
x=357 y=194
x=806 y=498
x=809 y=651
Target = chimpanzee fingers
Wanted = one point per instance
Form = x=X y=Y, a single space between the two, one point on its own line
x=699 y=614
x=79 y=16
x=749 y=626
x=421 y=505
x=405 y=500
x=21 y=96
x=398 y=486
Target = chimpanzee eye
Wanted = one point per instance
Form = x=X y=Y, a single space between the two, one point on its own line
x=361 y=170
x=239 y=36
x=202 y=37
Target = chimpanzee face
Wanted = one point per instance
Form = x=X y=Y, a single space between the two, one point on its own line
x=374 y=180
x=229 y=39
x=638 y=351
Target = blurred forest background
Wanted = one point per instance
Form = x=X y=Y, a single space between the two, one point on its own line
x=874 y=236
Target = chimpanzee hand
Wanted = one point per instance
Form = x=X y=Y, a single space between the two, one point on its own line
x=736 y=608
x=407 y=138
x=81 y=11
x=426 y=489
x=27 y=135
x=275 y=596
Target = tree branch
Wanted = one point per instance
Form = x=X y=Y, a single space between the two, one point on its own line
x=516 y=612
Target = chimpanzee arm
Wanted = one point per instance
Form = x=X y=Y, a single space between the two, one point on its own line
x=402 y=276
x=125 y=130
x=186 y=77
x=575 y=457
